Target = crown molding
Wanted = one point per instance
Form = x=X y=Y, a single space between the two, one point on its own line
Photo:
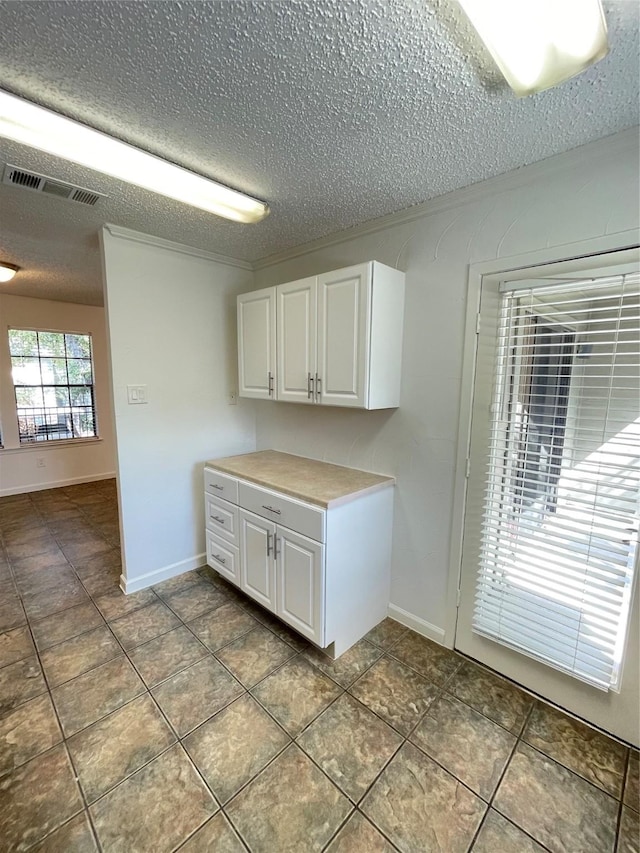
x=608 y=146
x=161 y=243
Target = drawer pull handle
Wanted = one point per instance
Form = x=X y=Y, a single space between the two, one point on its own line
x=268 y=544
x=219 y=558
x=318 y=387
x=218 y=519
x=309 y=386
x=216 y=486
x=270 y=384
x=276 y=553
x=271 y=509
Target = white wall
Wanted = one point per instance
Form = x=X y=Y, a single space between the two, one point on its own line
x=555 y=204
x=171 y=319
x=65 y=463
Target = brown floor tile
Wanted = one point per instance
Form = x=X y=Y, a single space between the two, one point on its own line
x=498 y=835
x=359 y=836
x=31 y=583
x=349 y=666
x=419 y=806
x=118 y=745
x=290 y=807
x=350 y=744
x=278 y=627
x=255 y=655
x=81 y=550
x=431 y=660
x=116 y=604
x=15 y=644
x=631 y=788
x=41 y=604
x=26 y=731
x=468 y=745
x=36 y=798
x=221 y=626
x=74 y=837
x=95 y=694
x=629 y=839
x=73 y=657
x=396 y=693
x=11 y=613
x=232 y=747
x=386 y=634
x=65 y=625
x=20 y=681
x=155 y=809
x=165 y=655
x=34 y=545
x=102 y=582
x=217 y=836
x=177 y=583
x=584 y=750
x=143 y=625
x=195 y=694
x=109 y=561
x=40 y=564
x=493 y=696
x=194 y=600
x=295 y=694
x=558 y=808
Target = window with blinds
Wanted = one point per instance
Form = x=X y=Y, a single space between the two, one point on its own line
x=560 y=522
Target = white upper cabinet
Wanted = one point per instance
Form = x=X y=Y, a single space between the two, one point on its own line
x=257 y=344
x=339 y=338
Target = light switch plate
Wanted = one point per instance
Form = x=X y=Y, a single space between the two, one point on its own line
x=136 y=394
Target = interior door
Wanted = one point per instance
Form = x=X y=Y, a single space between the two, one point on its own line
x=552 y=490
x=257 y=565
x=296 y=323
x=300 y=574
x=257 y=344
x=343 y=336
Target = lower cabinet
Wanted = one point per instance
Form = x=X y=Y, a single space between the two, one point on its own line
x=325 y=572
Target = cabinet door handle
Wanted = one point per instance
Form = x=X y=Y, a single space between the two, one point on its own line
x=318 y=387
x=276 y=553
x=218 y=519
x=216 y=486
x=309 y=387
x=219 y=558
x=270 y=384
x=271 y=509
x=268 y=544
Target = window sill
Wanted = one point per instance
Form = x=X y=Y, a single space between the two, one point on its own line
x=50 y=445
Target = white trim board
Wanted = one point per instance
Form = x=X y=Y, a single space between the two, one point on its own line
x=56 y=484
x=420 y=626
x=161 y=243
x=162 y=574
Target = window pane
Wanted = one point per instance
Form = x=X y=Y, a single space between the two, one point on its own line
x=84 y=423
x=29 y=398
x=26 y=371
x=78 y=346
x=22 y=342
x=56 y=396
x=80 y=396
x=80 y=371
x=54 y=371
x=51 y=343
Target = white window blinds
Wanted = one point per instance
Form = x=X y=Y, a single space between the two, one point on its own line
x=560 y=522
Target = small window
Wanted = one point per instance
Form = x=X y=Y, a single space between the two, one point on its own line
x=53 y=382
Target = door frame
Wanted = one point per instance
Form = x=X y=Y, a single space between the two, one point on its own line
x=576 y=256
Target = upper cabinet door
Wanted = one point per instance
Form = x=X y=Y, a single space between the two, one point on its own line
x=343 y=336
x=257 y=344
x=296 y=322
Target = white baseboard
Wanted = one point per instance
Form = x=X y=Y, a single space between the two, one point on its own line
x=56 y=484
x=420 y=626
x=129 y=585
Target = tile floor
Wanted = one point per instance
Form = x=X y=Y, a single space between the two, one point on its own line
x=185 y=717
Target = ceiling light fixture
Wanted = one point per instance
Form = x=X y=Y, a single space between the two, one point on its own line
x=40 y=128
x=7 y=271
x=540 y=43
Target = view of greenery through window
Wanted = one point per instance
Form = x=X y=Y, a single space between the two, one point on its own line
x=53 y=380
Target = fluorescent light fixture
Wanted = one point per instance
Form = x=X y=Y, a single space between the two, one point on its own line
x=39 y=128
x=539 y=43
x=7 y=271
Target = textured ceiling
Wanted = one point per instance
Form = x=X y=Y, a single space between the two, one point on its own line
x=333 y=111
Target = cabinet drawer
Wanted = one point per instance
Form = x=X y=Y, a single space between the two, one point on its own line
x=223 y=557
x=221 y=517
x=221 y=485
x=303 y=518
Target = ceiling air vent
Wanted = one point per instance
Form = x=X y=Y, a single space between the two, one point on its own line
x=50 y=186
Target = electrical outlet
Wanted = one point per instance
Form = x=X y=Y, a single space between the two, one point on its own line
x=41 y=462
x=233 y=398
